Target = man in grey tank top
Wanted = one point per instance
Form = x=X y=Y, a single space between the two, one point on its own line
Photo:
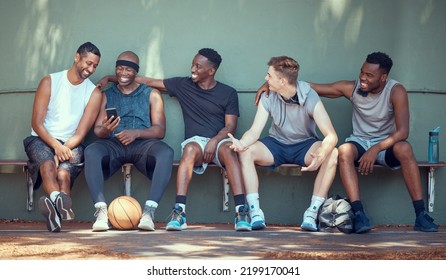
x=378 y=140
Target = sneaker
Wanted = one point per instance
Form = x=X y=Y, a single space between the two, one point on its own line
x=309 y=222
x=241 y=222
x=49 y=211
x=178 y=219
x=63 y=206
x=425 y=223
x=146 y=222
x=257 y=219
x=362 y=223
x=101 y=223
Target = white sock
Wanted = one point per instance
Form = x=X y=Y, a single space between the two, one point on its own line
x=100 y=204
x=53 y=196
x=253 y=201
x=316 y=203
x=151 y=203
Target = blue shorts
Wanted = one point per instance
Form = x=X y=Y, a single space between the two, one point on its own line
x=283 y=153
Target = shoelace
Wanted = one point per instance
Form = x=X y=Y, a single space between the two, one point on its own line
x=174 y=215
x=99 y=210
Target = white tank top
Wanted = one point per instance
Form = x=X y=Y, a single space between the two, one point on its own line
x=66 y=106
x=373 y=115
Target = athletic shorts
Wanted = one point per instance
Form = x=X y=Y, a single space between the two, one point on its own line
x=38 y=152
x=202 y=141
x=385 y=158
x=284 y=153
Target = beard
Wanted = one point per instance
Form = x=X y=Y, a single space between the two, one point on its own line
x=361 y=92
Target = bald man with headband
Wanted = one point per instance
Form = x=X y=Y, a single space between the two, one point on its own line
x=133 y=136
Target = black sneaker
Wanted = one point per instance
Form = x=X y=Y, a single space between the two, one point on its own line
x=63 y=205
x=362 y=223
x=48 y=210
x=425 y=223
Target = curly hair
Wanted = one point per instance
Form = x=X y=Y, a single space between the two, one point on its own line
x=212 y=56
x=285 y=66
x=384 y=61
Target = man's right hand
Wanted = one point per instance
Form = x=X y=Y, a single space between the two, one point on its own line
x=263 y=89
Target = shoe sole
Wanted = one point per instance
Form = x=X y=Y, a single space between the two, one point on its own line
x=100 y=229
x=308 y=227
x=146 y=228
x=176 y=228
x=243 y=227
x=63 y=206
x=48 y=210
x=258 y=225
x=425 y=229
x=363 y=230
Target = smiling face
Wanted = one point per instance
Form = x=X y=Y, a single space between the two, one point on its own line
x=86 y=64
x=202 y=69
x=372 y=78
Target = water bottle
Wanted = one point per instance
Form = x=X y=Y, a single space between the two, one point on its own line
x=433 y=151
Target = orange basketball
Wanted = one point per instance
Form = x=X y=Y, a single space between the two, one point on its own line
x=124 y=213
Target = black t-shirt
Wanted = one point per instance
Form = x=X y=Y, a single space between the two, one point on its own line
x=203 y=110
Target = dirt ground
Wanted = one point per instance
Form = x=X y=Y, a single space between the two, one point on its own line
x=46 y=246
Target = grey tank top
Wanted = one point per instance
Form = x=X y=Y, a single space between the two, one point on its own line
x=373 y=115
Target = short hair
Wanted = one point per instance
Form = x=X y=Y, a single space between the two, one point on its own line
x=88 y=47
x=287 y=67
x=384 y=61
x=212 y=56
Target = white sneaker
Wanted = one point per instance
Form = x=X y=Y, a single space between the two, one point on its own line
x=101 y=223
x=257 y=219
x=146 y=222
x=309 y=221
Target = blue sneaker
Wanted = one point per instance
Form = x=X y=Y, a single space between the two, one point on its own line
x=178 y=219
x=309 y=221
x=362 y=223
x=257 y=219
x=241 y=222
x=425 y=223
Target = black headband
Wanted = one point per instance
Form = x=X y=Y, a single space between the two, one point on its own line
x=127 y=63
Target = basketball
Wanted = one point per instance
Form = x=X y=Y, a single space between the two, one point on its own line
x=124 y=213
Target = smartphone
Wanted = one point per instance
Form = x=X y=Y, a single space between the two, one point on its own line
x=111 y=112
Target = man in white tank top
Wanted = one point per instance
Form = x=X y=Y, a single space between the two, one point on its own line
x=380 y=123
x=65 y=107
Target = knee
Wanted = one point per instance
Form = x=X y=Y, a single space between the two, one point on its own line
x=47 y=166
x=346 y=153
x=403 y=150
x=63 y=176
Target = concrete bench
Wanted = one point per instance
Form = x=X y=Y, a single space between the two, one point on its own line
x=127 y=180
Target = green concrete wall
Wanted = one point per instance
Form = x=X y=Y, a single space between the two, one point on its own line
x=330 y=39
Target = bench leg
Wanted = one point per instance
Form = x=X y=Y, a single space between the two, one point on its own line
x=431 y=188
x=126 y=169
x=29 y=191
x=225 y=180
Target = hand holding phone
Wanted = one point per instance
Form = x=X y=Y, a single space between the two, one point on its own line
x=111 y=112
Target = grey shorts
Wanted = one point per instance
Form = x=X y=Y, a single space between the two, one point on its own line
x=38 y=152
x=202 y=141
x=385 y=158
